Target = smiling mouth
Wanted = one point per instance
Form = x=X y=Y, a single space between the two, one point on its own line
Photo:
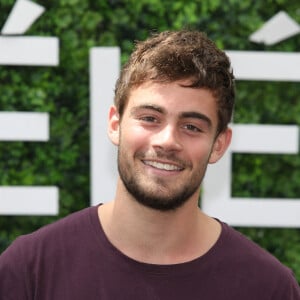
x=162 y=166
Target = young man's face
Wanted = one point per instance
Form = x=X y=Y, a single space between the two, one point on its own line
x=166 y=138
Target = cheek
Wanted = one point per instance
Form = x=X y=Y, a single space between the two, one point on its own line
x=200 y=153
x=134 y=137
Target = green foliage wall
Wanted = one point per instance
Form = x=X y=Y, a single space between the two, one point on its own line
x=63 y=91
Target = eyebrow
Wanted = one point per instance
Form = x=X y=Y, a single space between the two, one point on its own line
x=196 y=115
x=183 y=115
x=148 y=106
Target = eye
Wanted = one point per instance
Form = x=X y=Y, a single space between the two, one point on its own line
x=192 y=128
x=149 y=119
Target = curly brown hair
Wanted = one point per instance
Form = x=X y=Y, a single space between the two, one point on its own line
x=175 y=55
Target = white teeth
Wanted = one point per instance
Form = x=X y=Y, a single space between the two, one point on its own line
x=162 y=166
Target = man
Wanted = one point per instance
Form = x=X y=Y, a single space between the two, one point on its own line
x=173 y=103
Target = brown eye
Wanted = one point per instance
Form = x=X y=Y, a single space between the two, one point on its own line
x=148 y=119
x=192 y=128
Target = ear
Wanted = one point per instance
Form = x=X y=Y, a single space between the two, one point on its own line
x=114 y=125
x=220 y=145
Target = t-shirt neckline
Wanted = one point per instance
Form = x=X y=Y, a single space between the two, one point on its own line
x=125 y=261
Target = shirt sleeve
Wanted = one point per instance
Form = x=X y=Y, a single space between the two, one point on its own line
x=288 y=289
x=294 y=290
x=13 y=279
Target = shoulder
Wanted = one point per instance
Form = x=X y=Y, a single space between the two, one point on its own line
x=49 y=252
x=252 y=262
x=62 y=232
x=246 y=251
x=71 y=224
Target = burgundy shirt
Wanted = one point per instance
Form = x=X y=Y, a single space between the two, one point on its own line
x=72 y=259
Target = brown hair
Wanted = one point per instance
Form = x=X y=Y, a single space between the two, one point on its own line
x=176 y=55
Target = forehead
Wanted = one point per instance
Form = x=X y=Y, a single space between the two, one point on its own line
x=174 y=98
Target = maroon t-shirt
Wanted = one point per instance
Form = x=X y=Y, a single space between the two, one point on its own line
x=72 y=259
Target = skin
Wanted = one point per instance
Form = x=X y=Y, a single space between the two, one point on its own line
x=166 y=138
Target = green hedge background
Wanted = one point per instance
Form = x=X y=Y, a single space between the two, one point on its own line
x=63 y=91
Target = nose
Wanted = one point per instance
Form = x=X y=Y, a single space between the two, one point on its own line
x=167 y=138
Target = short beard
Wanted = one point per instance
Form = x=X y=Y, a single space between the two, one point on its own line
x=152 y=199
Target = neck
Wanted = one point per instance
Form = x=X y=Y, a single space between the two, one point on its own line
x=152 y=236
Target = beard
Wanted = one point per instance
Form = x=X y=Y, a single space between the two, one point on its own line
x=156 y=192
